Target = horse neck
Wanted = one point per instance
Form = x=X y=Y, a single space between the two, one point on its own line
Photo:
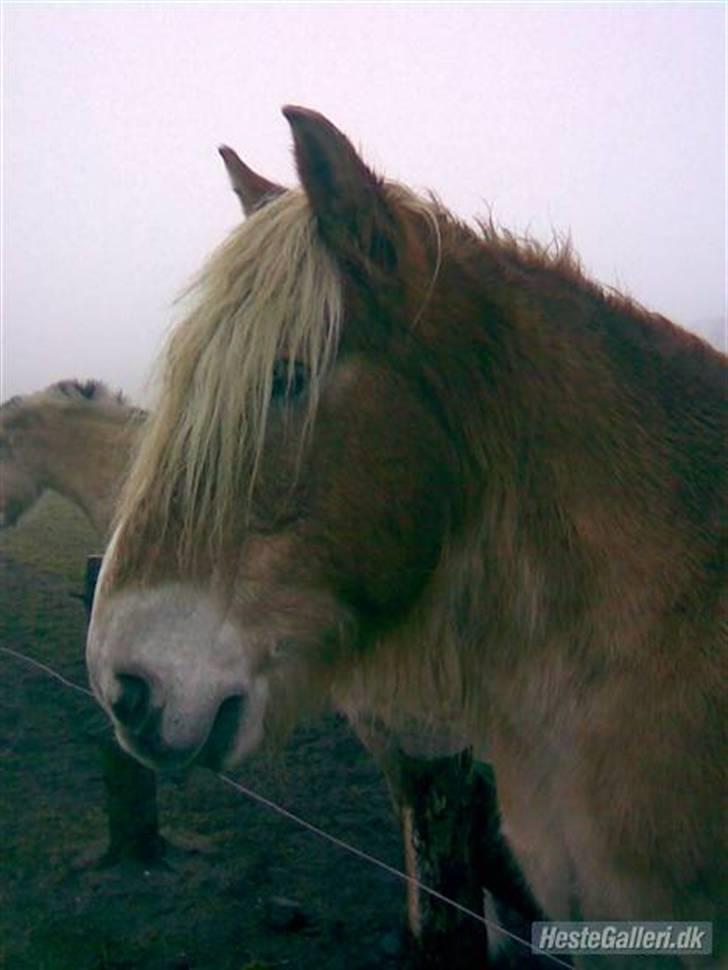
x=84 y=458
x=589 y=467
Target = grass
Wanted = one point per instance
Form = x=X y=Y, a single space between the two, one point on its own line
x=55 y=536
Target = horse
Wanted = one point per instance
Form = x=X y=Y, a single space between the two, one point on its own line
x=77 y=438
x=74 y=438
x=435 y=474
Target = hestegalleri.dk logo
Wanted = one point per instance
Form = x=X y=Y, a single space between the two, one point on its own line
x=628 y=938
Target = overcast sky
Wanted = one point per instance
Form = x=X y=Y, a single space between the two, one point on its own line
x=608 y=121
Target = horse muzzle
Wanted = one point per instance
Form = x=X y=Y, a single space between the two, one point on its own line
x=173 y=673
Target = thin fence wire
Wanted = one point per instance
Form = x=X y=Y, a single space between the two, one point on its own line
x=47 y=670
x=309 y=826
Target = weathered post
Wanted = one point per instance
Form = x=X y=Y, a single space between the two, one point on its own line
x=131 y=788
x=439 y=812
x=453 y=844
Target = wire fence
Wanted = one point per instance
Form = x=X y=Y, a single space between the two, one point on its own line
x=310 y=827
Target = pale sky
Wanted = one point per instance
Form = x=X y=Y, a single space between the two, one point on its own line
x=607 y=121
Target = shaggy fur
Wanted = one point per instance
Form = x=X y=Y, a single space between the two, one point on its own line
x=521 y=512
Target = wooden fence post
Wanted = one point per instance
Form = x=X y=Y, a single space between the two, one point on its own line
x=131 y=788
x=439 y=803
x=454 y=845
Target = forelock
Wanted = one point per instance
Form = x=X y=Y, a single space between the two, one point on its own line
x=271 y=290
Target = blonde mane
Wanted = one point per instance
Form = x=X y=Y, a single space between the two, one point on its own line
x=270 y=292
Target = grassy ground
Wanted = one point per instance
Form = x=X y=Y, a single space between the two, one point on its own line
x=54 y=537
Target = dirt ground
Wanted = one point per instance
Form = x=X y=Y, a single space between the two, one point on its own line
x=245 y=890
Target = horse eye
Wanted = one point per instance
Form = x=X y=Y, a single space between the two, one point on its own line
x=289 y=380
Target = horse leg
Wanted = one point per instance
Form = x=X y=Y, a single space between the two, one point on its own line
x=508 y=903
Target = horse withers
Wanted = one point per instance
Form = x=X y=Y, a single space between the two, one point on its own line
x=437 y=475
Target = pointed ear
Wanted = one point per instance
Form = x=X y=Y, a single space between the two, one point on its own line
x=346 y=196
x=252 y=189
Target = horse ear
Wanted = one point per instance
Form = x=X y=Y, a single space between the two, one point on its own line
x=252 y=189
x=344 y=193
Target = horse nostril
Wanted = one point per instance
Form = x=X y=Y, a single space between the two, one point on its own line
x=131 y=707
x=227 y=723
